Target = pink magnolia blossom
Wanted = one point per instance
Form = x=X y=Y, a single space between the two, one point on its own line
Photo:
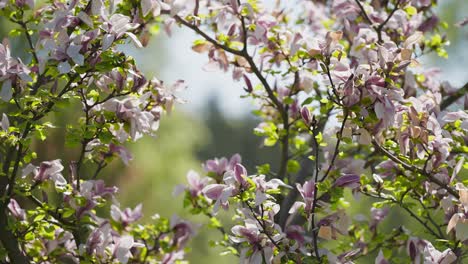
x=221 y=165
x=122 y=248
x=16 y=210
x=307 y=192
x=195 y=184
x=127 y=216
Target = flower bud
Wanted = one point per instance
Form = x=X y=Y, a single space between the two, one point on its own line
x=239 y=173
x=306 y=116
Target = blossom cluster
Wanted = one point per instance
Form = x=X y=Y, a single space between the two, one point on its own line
x=60 y=210
x=340 y=89
x=397 y=138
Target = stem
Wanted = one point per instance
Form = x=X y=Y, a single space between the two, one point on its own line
x=364 y=13
x=454 y=97
x=314 y=203
x=271 y=95
x=416 y=170
x=28 y=37
x=378 y=28
x=262 y=225
x=9 y=240
x=339 y=135
x=306 y=166
x=410 y=212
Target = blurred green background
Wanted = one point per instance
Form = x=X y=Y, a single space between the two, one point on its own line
x=214 y=122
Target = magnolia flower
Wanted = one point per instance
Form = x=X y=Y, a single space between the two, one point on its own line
x=195 y=184
x=183 y=231
x=433 y=256
x=262 y=186
x=220 y=166
x=167 y=93
x=172 y=257
x=122 y=248
x=236 y=177
x=351 y=181
x=459 y=223
x=123 y=152
x=47 y=170
x=126 y=216
x=130 y=110
x=296 y=233
x=154 y=6
x=381 y=259
x=377 y=215
x=117 y=26
x=95 y=189
x=99 y=239
x=220 y=193
x=417 y=248
x=5 y=124
x=307 y=192
x=388 y=169
x=11 y=70
x=63 y=240
x=306 y=116
x=346 y=9
x=16 y=210
x=263 y=25
x=258 y=244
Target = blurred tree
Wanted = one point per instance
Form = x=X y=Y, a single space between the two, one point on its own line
x=228 y=136
x=160 y=164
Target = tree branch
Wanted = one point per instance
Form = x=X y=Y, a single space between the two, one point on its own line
x=412 y=168
x=454 y=97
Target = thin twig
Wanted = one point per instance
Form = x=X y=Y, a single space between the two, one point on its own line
x=410 y=212
x=339 y=136
x=416 y=169
x=454 y=97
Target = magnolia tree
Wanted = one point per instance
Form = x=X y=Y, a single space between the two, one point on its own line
x=339 y=88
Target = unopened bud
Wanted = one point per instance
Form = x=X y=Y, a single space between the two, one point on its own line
x=306 y=116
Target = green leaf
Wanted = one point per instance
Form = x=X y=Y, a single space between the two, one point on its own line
x=263 y=169
x=68 y=212
x=411 y=10
x=215 y=223
x=39 y=217
x=293 y=166
x=270 y=142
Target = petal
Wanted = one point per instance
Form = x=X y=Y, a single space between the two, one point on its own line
x=413 y=39
x=295 y=207
x=6 y=92
x=214 y=191
x=135 y=40
x=5 y=122
x=64 y=67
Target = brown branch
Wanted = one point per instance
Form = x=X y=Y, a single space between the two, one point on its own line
x=378 y=28
x=410 y=212
x=253 y=66
x=339 y=136
x=306 y=167
x=206 y=36
x=364 y=13
x=415 y=169
x=314 y=203
x=9 y=240
x=454 y=97
x=262 y=225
